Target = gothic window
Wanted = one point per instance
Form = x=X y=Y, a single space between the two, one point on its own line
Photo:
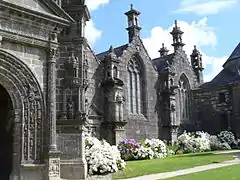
x=184 y=98
x=134 y=87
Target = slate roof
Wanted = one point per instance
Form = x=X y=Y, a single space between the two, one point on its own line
x=225 y=77
x=161 y=63
x=229 y=74
x=235 y=55
x=118 y=51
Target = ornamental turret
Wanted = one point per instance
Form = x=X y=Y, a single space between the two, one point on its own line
x=196 y=61
x=133 y=23
x=177 y=37
x=163 y=51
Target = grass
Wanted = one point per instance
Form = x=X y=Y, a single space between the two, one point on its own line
x=225 y=173
x=172 y=163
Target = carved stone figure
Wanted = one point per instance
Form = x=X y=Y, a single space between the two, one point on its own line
x=70 y=108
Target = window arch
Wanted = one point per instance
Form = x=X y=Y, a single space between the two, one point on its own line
x=134 y=86
x=184 y=98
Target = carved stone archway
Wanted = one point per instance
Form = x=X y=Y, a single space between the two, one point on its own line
x=28 y=111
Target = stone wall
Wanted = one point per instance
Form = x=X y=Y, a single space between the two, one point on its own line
x=210 y=113
x=140 y=125
x=33 y=57
x=183 y=67
x=235 y=123
x=94 y=91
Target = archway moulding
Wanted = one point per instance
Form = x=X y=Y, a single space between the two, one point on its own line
x=28 y=107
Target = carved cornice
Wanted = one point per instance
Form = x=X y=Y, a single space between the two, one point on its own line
x=13 y=37
x=23 y=31
x=31 y=14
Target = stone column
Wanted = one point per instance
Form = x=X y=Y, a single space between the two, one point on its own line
x=15 y=117
x=119 y=131
x=53 y=161
x=83 y=162
x=174 y=133
x=81 y=111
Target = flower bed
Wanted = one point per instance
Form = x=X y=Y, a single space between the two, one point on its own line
x=130 y=149
x=202 y=141
x=102 y=158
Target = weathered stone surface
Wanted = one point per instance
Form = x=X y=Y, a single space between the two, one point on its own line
x=58 y=97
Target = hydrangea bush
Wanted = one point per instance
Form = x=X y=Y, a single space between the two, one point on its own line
x=201 y=141
x=142 y=153
x=101 y=157
x=130 y=149
x=227 y=137
x=157 y=146
x=194 y=142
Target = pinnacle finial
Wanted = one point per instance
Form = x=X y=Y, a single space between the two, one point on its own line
x=163 y=50
x=111 y=49
x=131 y=7
x=176 y=25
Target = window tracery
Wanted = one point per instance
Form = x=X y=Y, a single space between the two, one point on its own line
x=134 y=86
x=184 y=98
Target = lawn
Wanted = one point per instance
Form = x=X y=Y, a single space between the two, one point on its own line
x=225 y=173
x=177 y=162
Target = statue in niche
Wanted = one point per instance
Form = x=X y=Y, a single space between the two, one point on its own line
x=70 y=109
x=87 y=107
x=119 y=106
x=119 y=98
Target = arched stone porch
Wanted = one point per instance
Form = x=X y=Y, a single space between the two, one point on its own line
x=27 y=114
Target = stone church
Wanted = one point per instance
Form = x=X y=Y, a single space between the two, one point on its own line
x=56 y=89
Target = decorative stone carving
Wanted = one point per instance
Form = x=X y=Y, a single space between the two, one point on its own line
x=32 y=124
x=70 y=109
x=54 y=167
x=30 y=101
x=17 y=27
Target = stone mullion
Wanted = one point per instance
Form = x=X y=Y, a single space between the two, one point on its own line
x=139 y=102
x=129 y=90
x=134 y=91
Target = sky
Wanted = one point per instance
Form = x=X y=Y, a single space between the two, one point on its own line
x=208 y=24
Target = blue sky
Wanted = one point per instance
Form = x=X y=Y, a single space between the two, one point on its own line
x=210 y=24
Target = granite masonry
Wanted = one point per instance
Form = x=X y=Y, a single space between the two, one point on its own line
x=54 y=89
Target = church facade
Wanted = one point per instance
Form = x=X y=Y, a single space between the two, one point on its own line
x=54 y=89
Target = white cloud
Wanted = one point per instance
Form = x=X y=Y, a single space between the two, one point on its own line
x=195 y=33
x=92 y=33
x=205 y=7
x=95 y=4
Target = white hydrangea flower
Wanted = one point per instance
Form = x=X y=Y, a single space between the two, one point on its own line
x=227 y=136
x=101 y=157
